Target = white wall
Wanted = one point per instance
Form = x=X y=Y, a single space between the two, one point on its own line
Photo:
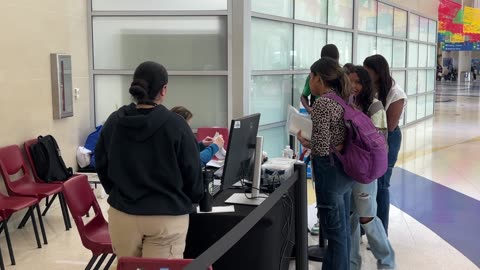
x=31 y=30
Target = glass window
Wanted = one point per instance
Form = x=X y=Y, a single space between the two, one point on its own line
x=274 y=140
x=306 y=53
x=421 y=100
x=422 y=81
x=385 y=19
x=400 y=23
x=423 y=36
x=110 y=5
x=432 y=56
x=413 y=26
x=111 y=92
x=399 y=77
x=179 y=43
x=411 y=109
x=271 y=96
x=422 y=55
x=367 y=17
x=344 y=43
x=340 y=13
x=412 y=82
x=272 y=45
x=432 y=31
x=399 y=53
x=283 y=8
x=431 y=80
x=367 y=48
x=384 y=47
x=412 y=54
x=429 y=104
x=298 y=84
x=311 y=10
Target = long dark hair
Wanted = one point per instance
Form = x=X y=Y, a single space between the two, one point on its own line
x=365 y=98
x=379 y=65
x=149 y=78
x=332 y=76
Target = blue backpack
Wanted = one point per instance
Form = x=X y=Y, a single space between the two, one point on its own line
x=91 y=142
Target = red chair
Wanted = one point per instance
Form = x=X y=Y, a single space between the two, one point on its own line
x=10 y=205
x=203 y=132
x=12 y=163
x=27 y=145
x=94 y=234
x=135 y=263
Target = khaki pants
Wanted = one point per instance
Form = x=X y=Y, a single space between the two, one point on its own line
x=147 y=236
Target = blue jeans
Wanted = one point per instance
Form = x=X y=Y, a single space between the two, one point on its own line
x=333 y=189
x=383 y=195
x=364 y=204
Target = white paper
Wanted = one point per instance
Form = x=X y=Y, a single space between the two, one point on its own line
x=219 y=209
x=215 y=163
x=297 y=121
x=221 y=153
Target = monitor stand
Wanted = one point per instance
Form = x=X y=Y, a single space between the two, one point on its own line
x=253 y=198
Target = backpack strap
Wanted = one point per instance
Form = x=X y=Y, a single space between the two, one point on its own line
x=338 y=99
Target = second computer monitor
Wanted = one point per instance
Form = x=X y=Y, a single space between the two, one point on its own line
x=240 y=158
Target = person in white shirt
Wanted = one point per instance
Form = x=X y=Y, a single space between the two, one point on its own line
x=394 y=100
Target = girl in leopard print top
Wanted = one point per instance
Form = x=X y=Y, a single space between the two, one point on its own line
x=332 y=186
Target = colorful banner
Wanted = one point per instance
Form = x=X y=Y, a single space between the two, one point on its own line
x=471 y=23
x=450 y=25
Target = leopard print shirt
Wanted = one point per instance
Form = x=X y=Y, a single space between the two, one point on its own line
x=328 y=126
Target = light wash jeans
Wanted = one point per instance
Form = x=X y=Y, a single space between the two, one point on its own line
x=364 y=204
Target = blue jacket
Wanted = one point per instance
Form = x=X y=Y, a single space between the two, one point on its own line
x=207 y=153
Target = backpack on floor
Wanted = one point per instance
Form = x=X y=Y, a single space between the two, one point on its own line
x=48 y=160
x=364 y=156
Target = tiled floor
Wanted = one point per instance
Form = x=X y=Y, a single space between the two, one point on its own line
x=443 y=150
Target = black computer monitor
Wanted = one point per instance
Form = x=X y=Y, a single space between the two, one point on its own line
x=239 y=162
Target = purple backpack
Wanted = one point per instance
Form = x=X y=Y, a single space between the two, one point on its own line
x=364 y=156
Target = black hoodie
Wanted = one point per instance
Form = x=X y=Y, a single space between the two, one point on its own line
x=149 y=162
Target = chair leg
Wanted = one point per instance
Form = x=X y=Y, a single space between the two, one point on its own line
x=35 y=229
x=42 y=228
x=90 y=263
x=63 y=206
x=99 y=263
x=9 y=242
x=47 y=205
x=24 y=221
x=46 y=201
x=109 y=263
x=2 y=265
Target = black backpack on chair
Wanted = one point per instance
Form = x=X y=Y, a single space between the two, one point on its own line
x=48 y=160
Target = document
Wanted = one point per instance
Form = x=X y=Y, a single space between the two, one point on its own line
x=221 y=154
x=298 y=121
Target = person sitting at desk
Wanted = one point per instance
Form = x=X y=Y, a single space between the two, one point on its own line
x=208 y=146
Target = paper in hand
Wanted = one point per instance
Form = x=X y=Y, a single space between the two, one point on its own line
x=297 y=121
x=221 y=154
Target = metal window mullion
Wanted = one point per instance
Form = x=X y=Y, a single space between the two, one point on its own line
x=153 y=13
x=298 y=22
x=272 y=125
x=278 y=72
x=170 y=72
x=229 y=62
x=91 y=83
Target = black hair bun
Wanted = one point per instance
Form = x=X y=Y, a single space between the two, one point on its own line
x=139 y=89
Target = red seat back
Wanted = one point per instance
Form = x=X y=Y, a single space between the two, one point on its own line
x=134 y=263
x=203 y=132
x=11 y=163
x=80 y=198
x=27 y=145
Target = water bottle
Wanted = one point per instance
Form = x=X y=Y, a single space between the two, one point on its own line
x=207 y=200
x=287 y=152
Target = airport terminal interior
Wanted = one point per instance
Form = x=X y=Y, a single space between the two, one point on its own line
x=227 y=59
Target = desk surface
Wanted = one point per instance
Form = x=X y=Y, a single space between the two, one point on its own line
x=264 y=247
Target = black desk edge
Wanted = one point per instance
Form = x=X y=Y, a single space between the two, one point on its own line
x=219 y=248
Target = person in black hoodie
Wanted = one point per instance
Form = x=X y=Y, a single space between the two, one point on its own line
x=148 y=162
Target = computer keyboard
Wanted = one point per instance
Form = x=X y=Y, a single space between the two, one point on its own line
x=215 y=189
